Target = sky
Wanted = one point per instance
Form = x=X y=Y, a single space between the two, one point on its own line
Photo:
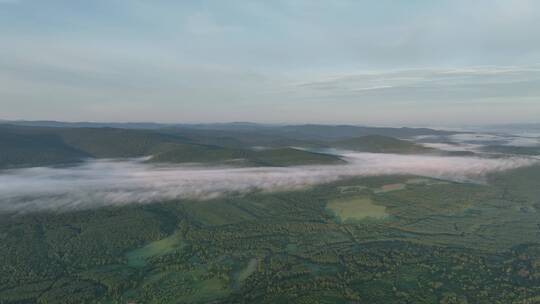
x=417 y=62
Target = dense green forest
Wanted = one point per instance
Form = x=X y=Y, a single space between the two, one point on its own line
x=380 y=239
x=432 y=241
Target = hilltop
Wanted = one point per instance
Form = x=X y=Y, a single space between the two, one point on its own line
x=380 y=144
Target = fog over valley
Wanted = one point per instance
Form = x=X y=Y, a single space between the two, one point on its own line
x=117 y=182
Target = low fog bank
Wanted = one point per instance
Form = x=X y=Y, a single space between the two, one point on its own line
x=476 y=141
x=115 y=182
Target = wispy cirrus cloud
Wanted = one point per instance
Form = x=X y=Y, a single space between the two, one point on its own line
x=426 y=78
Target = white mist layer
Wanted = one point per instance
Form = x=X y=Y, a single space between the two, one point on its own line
x=110 y=182
x=454 y=147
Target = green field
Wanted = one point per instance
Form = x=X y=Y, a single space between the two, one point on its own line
x=139 y=256
x=250 y=268
x=356 y=208
x=390 y=188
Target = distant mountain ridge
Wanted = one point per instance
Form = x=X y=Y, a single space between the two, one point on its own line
x=297 y=131
x=60 y=124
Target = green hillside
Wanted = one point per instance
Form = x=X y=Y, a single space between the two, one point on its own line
x=283 y=157
x=280 y=157
x=111 y=143
x=35 y=150
x=30 y=146
x=188 y=153
x=380 y=144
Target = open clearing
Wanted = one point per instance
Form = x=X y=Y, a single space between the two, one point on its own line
x=250 y=268
x=390 y=188
x=356 y=208
x=138 y=257
x=351 y=189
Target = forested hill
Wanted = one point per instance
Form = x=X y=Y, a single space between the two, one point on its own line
x=252 y=144
x=380 y=144
x=36 y=146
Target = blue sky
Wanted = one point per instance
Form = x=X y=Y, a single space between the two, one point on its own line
x=294 y=61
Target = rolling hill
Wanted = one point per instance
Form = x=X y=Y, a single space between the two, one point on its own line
x=41 y=146
x=380 y=144
x=35 y=150
x=54 y=143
